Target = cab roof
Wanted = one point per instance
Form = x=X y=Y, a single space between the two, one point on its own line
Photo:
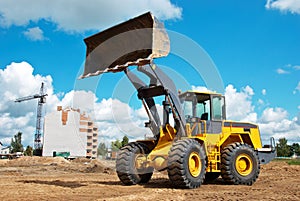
x=200 y=92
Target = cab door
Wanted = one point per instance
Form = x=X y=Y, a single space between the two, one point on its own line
x=218 y=114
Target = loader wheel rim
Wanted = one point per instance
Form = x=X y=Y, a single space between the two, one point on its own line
x=139 y=160
x=243 y=164
x=194 y=164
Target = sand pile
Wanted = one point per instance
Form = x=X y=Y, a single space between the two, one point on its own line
x=83 y=165
x=27 y=161
x=87 y=166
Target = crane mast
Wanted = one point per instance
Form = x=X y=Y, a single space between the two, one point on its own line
x=38 y=146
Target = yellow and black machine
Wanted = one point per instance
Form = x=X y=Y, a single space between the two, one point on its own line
x=201 y=144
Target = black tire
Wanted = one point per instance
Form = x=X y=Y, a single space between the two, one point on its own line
x=186 y=164
x=211 y=176
x=240 y=164
x=125 y=164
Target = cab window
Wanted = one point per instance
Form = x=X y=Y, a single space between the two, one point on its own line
x=218 y=104
x=203 y=110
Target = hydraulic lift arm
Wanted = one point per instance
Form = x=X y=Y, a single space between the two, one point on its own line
x=136 y=43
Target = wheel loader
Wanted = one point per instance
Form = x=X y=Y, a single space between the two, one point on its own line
x=199 y=144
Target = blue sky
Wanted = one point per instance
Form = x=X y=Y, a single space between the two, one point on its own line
x=255 y=46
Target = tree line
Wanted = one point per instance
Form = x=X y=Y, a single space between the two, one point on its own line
x=285 y=150
x=17 y=146
x=282 y=147
x=115 y=146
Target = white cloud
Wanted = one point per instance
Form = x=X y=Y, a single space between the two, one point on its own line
x=34 y=34
x=297 y=119
x=116 y=119
x=200 y=88
x=264 y=92
x=239 y=104
x=292 y=6
x=113 y=117
x=287 y=69
x=282 y=71
x=260 y=102
x=141 y=113
x=78 y=15
x=248 y=90
x=83 y=100
x=288 y=129
x=10 y=126
x=273 y=122
x=273 y=115
x=17 y=80
x=297 y=89
x=113 y=110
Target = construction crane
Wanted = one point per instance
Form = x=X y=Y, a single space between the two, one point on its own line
x=38 y=131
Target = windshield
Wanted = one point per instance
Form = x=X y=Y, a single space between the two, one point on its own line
x=196 y=106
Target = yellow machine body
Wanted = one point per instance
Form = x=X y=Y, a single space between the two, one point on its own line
x=201 y=135
x=213 y=143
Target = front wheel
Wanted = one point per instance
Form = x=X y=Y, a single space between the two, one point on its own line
x=186 y=164
x=240 y=164
x=127 y=166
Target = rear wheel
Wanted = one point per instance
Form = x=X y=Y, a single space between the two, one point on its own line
x=128 y=164
x=186 y=164
x=240 y=164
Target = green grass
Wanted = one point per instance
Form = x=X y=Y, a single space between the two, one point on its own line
x=293 y=162
x=288 y=161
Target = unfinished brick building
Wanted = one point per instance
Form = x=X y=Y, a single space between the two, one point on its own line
x=68 y=130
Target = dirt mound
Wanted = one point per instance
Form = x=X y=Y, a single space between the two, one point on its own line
x=87 y=166
x=82 y=165
x=82 y=160
x=27 y=161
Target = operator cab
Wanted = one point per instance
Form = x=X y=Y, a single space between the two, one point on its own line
x=204 y=108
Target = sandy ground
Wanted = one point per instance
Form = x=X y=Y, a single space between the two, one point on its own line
x=34 y=178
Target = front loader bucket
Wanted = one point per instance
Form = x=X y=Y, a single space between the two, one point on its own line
x=134 y=42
